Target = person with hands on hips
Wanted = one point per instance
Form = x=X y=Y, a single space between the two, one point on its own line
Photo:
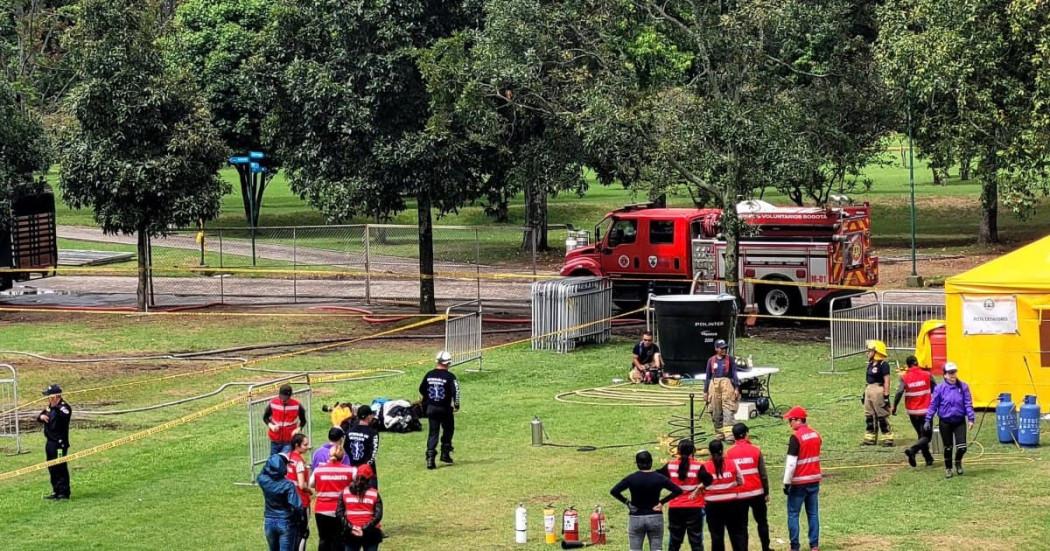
x=721 y=389
x=645 y=508
x=952 y=403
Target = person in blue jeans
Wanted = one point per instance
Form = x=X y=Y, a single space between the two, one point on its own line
x=802 y=478
x=283 y=510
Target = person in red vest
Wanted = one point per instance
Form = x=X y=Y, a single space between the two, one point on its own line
x=299 y=474
x=328 y=481
x=754 y=494
x=916 y=387
x=362 y=511
x=802 y=477
x=724 y=509
x=685 y=513
x=283 y=417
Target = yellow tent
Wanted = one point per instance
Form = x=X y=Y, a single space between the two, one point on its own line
x=996 y=329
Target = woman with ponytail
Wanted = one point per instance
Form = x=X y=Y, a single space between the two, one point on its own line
x=722 y=506
x=685 y=513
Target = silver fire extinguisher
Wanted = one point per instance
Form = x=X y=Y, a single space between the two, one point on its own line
x=537 y=431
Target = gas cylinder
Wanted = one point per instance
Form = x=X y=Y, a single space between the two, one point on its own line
x=1028 y=423
x=1006 y=419
x=549 y=535
x=598 y=526
x=537 y=431
x=521 y=524
x=570 y=524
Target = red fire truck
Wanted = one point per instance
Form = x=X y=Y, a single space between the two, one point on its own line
x=645 y=249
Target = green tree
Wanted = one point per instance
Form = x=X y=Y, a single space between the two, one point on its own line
x=142 y=152
x=33 y=50
x=971 y=72
x=352 y=113
x=24 y=149
x=764 y=102
x=220 y=46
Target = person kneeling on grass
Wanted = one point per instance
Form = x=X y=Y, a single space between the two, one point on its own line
x=646 y=361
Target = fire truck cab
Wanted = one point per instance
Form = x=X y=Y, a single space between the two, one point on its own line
x=791 y=258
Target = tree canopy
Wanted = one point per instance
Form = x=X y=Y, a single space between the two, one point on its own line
x=976 y=70
x=24 y=148
x=352 y=112
x=142 y=152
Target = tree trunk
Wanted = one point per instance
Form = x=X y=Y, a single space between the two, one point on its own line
x=937 y=180
x=989 y=174
x=731 y=234
x=427 y=303
x=964 y=168
x=142 y=249
x=536 y=215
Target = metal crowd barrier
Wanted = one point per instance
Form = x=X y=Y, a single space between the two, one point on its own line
x=893 y=317
x=463 y=332
x=571 y=311
x=258 y=440
x=9 y=407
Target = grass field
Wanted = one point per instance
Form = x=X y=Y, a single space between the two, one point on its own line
x=176 y=490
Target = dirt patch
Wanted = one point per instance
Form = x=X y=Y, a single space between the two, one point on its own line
x=865 y=541
x=969 y=541
x=894 y=274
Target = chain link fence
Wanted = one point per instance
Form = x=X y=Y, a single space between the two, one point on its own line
x=366 y=261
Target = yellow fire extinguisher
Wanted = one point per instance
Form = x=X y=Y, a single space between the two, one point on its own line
x=549 y=535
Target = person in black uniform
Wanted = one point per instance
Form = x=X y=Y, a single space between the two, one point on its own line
x=362 y=441
x=440 y=391
x=56 y=429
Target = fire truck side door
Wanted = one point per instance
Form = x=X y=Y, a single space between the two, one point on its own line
x=620 y=250
x=668 y=250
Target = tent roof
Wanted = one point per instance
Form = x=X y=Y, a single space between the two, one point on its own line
x=1027 y=268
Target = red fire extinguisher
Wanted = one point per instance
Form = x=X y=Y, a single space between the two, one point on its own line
x=598 y=526
x=570 y=525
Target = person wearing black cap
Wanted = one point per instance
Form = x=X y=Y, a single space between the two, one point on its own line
x=56 y=429
x=440 y=391
x=283 y=416
x=362 y=441
x=721 y=389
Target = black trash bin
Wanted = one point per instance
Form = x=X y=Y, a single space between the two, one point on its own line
x=687 y=327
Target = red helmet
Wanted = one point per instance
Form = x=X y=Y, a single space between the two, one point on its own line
x=797 y=412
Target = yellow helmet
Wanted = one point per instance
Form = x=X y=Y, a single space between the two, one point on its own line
x=879 y=347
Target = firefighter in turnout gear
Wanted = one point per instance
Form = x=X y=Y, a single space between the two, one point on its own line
x=916 y=386
x=721 y=389
x=876 y=397
x=440 y=391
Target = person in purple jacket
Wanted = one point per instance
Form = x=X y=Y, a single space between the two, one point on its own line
x=335 y=438
x=953 y=405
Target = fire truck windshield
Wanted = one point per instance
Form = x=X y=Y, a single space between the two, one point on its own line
x=602 y=228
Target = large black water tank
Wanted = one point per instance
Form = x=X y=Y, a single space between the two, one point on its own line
x=687 y=327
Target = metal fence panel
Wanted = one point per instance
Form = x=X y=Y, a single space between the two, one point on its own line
x=9 y=406
x=463 y=332
x=893 y=317
x=258 y=439
x=904 y=312
x=571 y=311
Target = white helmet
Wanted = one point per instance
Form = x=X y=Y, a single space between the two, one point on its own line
x=444 y=358
x=950 y=367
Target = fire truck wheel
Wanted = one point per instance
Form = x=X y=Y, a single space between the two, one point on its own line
x=777 y=301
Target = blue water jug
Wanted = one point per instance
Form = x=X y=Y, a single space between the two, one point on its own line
x=1028 y=423
x=1006 y=419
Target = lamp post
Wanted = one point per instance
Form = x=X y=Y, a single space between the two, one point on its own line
x=913 y=280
